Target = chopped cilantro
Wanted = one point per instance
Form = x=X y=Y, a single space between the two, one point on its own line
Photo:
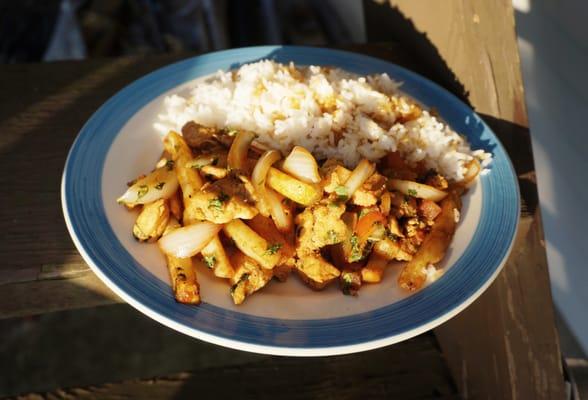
x=160 y=185
x=412 y=192
x=342 y=193
x=217 y=202
x=143 y=189
x=210 y=261
x=356 y=253
x=332 y=236
x=170 y=165
x=232 y=132
x=273 y=248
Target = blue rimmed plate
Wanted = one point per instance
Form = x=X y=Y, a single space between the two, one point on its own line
x=119 y=142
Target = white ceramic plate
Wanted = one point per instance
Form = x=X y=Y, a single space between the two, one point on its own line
x=119 y=143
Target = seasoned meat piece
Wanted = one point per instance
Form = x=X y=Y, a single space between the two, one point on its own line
x=226 y=199
x=404 y=206
x=199 y=136
x=371 y=190
x=437 y=181
x=315 y=270
x=320 y=225
x=249 y=277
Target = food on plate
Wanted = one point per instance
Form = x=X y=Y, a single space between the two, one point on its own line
x=281 y=169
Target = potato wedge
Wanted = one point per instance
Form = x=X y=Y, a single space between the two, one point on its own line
x=292 y=188
x=152 y=221
x=249 y=277
x=189 y=178
x=315 y=271
x=266 y=228
x=391 y=250
x=374 y=270
x=176 y=205
x=182 y=274
x=215 y=257
x=253 y=245
x=434 y=246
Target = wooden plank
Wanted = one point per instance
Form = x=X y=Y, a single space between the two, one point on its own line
x=39 y=120
x=393 y=372
x=505 y=345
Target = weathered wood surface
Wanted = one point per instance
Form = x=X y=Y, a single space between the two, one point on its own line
x=411 y=370
x=505 y=345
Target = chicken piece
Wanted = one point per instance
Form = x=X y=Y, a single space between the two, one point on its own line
x=152 y=221
x=371 y=190
x=334 y=175
x=249 y=277
x=315 y=271
x=320 y=225
x=266 y=228
x=224 y=200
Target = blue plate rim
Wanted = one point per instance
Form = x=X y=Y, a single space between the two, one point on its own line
x=260 y=325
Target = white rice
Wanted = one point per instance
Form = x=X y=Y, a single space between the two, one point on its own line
x=311 y=106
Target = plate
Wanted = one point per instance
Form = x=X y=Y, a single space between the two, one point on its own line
x=118 y=143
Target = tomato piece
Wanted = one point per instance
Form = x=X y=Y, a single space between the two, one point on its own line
x=367 y=223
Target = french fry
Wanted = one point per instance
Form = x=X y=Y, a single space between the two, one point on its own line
x=253 y=245
x=215 y=257
x=182 y=274
x=176 y=206
x=189 y=178
x=390 y=250
x=374 y=270
x=292 y=188
x=434 y=246
x=249 y=277
x=266 y=228
x=152 y=221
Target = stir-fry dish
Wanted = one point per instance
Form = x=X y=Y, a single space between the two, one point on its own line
x=251 y=213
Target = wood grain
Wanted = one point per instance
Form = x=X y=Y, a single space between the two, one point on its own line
x=505 y=345
x=411 y=370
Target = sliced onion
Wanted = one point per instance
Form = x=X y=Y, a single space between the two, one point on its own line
x=359 y=175
x=302 y=165
x=416 y=189
x=282 y=218
x=258 y=178
x=189 y=240
x=472 y=172
x=159 y=184
x=237 y=158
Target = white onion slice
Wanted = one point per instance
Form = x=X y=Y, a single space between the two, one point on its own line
x=258 y=178
x=189 y=240
x=277 y=209
x=237 y=158
x=472 y=172
x=159 y=184
x=359 y=175
x=302 y=165
x=416 y=189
